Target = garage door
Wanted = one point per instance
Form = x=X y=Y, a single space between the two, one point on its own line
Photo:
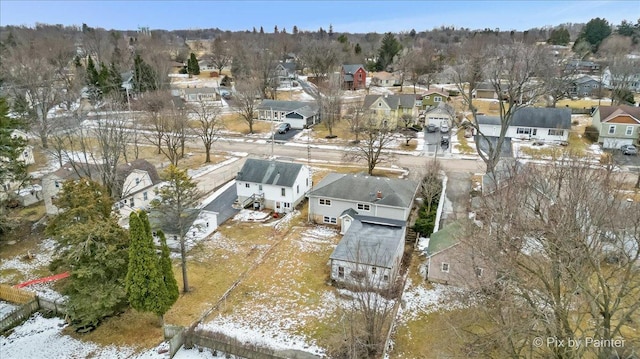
x=616 y=142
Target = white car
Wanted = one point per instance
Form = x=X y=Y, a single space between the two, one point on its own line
x=444 y=128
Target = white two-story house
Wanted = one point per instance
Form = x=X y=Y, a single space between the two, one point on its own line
x=279 y=186
x=135 y=185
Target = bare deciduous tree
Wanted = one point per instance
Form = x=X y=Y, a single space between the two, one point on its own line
x=375 y=141
x=329 y=99
x=565 y=245
x=208 y=125
x=220 y=54
x=247 y=90
x=154 y=104
x=320 y=57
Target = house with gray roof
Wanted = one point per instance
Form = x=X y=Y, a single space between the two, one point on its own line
x=584 y=86
x=200 y=94
x=286 y=73
x=373 y=196
x=276 y=185
x=298 y=114
x=389 y=109
x=353 y=77
x=370 y=252
x=531 y=123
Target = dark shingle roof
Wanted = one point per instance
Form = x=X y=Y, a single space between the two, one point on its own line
x=361 y=188
x=277 y=105
x=393 y=101
x=351 y=69
x=369 y=243
x=269 y=172
x=534 y=117
x=606 y=111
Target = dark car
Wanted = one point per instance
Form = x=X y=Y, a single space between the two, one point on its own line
x=444 y=140
x=432 y=128
x=284 y=128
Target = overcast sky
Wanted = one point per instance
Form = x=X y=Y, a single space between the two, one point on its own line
x=345 y=16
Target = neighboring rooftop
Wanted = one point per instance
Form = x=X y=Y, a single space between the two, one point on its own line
x=540 y=117
x=393 y=101
x=286 y=106
x=269 y=172
x=367 y=189
x=445 y=238
x=369 y=243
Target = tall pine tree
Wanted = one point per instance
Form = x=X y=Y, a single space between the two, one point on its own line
x=144 y=282
x=167 y=275
x=193 y=68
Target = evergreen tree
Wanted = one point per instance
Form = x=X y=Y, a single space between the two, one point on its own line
x=261 y=30
x=254 y=30
x=295 y=30
x=76 y=61
x=94 y=248
x=559 y=37
x=167 y=274
x=594 y=32
x=144 y=281
x=193 y=68
x=330 y=30
x=275 y=29
x=144 y=76
x=178 y=198
x=12 y=172
x=92 y=76
x=388 y=50
x=357 y=49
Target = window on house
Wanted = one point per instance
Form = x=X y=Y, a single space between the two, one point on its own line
x=331 y=220
x=57 y=184
x=340 y=272
x=427 y=97
x=385 y=278
x=553 y=132
x=360 y=76
x=137 y=181
x=283 y=191
x=307 y=182
x=523 y=131
x=479 y=271
x=437 y=99
x=374 y=270
x=445 y=267
x=612 y=129
x=247 y=185
x=132 y=203
x=286 y=205
x=379 y=104
x=364 y=207
x=629 y=131
x=260 y=187
x=144 y=196
x=325 y=202
x=297 y=188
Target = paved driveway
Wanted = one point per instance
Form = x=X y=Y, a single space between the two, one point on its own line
x=632 y=162
x=432 y=143
x=283 y=137
x=507 y=150
x=223 y=205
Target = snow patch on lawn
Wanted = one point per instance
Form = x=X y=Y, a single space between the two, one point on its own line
x=419 y=299
x=41 y=258
x=247 y=215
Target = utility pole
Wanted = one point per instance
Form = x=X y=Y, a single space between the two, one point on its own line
x=273 y=131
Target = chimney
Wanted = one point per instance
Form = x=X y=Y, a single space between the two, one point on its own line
x=379 y=195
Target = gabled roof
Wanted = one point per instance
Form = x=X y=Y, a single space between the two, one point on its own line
x=269 y=172
x=441 y=108
x=197 y=90
x=393 y=101
x=539 y=117
x=362 y=188
x=124 y=170
x=431 y=92
x=445 y=238
x=289 y=66
x=607 y=113
x=584 y=79
x=384 y=75
x=485 y=86
x=369 y=243
x=67 y=171
x=286 y=106
x=351 y=69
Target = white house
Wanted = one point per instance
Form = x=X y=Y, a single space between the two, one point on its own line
x=26 y=155
x=340 y=193
x=297 y=113
x=530 y=123
x=286 y=73
x=442 y=114
x=631 y=80
x=136 y=182
x=200 y=94
x=276 y=185
x=370 y=252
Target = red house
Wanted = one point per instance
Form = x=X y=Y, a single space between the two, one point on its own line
x=354 y=77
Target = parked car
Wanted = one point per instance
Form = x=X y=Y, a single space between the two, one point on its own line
x=444 y=140
x=284 y=128
x=629 y=150
x=432 y=128
x=444 y=128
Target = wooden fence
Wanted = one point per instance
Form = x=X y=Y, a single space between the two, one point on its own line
x=15 y=295
x=19 y=315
